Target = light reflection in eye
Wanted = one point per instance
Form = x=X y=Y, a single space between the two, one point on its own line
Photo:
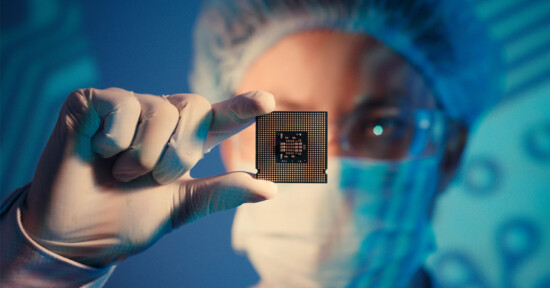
x=377 y=130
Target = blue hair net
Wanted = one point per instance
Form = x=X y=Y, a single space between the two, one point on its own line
x=443 y=39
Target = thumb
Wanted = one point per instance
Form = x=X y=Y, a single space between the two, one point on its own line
x=201 y=197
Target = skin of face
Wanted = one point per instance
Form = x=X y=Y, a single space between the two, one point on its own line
x=323 y=70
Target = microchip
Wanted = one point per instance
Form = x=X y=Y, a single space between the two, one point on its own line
x=291 y=146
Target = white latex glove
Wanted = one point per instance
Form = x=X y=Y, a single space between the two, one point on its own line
x=96 y=198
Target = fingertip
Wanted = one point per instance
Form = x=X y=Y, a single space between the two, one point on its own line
x=126 y=168
x=265 y=102
x=122 y=176
x=270 y=189
x=266 y=191
x=262 y=102
x=263 y=188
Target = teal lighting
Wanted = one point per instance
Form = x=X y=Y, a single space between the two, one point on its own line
x=377 y=130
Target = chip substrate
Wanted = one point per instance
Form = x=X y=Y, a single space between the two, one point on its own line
x=291 y=146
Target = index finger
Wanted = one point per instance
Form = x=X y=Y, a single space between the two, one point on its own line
x=233 y=115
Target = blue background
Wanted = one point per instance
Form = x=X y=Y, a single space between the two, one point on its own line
x=491 y=225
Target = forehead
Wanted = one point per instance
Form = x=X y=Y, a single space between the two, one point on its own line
x=335 y=72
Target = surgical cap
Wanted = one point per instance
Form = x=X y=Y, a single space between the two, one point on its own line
x=444 y=40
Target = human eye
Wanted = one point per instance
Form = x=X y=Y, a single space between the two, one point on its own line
x=380 y=134
x=387 y=127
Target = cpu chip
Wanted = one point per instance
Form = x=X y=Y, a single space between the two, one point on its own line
x=291 y=147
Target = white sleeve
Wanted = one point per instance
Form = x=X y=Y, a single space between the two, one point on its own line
x=24 y=263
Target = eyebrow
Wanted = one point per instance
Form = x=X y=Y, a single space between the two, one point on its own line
x=382 y=100
x=366 y=101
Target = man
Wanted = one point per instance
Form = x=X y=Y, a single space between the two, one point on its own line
x=400 y=86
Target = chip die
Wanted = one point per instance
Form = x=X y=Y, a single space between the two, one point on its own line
x=291 y=146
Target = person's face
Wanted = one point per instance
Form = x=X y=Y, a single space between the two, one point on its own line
x=344 y=74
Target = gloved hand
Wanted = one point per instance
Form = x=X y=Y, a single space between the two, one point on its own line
x=114 y=176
